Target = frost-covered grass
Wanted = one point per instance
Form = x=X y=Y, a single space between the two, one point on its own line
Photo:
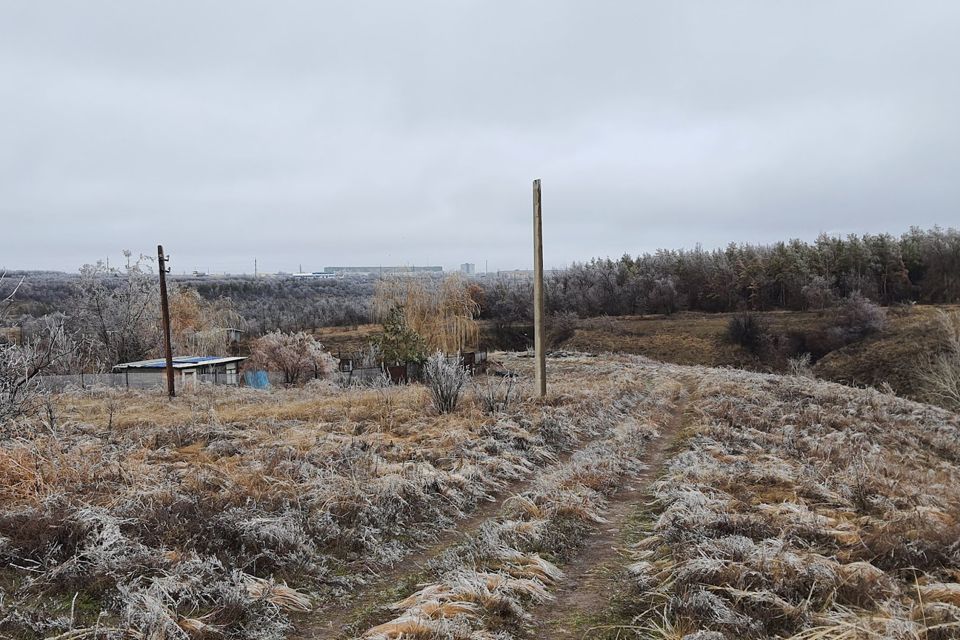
x=486 y=587
x=805 y=509
x=793 y=508
x=227 y=510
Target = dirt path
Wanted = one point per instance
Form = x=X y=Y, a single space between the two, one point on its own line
x=590 y=583
x=585 y=590
x=340 y=617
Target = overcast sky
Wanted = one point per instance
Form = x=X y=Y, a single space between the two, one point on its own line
x=323 y=133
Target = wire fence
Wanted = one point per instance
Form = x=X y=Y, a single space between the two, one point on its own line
x=143 y=380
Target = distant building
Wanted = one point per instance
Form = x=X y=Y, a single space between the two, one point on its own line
x=373 y=271
x=314 y=274
x=468 y=268
x=188 y=368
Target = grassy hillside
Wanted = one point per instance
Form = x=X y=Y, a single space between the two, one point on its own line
x=802 y=509
x=638 y=499
x=697 y=338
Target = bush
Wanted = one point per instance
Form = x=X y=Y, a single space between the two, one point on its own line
x=800 y=366
x=399 y=343
x=818 y=294
x=561 y=327
x=939 y=374
x=748 y=331
x=495 y=394
x=446 y=381
x=298 y=356
x=858 y=316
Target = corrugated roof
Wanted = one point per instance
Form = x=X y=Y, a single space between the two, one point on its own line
x=179 y=362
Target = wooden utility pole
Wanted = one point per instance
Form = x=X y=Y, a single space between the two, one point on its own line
x=165 y=312
x=538 y=326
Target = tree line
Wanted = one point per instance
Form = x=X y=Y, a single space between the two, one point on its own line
x=116 y=307
x=921 y=266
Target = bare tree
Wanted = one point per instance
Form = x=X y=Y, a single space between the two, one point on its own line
x=7 y=300
x=198 y=326
x=21 y=364
x=298 y=356
x=119 y=310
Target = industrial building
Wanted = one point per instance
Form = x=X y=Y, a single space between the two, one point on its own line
x=373 y=271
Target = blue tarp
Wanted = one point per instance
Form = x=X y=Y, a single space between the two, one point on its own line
x=256 y=379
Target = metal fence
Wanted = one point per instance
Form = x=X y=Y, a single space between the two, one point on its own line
x=140 y=380
x=473 y=361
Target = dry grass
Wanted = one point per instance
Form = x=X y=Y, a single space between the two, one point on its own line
x=227 y=509
x=796 y=508
x=890 y=356
x=688 y=338
x=486 y=587
x=347 y=339
x=808 y=510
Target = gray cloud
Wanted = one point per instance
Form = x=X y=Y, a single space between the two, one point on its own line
x=382 y=132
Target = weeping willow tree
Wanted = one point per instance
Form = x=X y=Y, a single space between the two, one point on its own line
x=443 y=313
x=199 y=326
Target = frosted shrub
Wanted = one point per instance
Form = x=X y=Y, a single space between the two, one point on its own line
x=17 y=394
x=748 y=330
x=446 y=381
x=858 y=316
x=495 y=394
x=800 y=366
x=939 y=373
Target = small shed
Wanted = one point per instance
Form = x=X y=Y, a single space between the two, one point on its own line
x=234 y=334
x=215 y=369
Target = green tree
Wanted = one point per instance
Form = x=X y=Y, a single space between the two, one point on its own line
x=398 y=342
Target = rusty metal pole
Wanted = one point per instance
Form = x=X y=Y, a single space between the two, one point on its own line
x=538 y=320
x=165 y=311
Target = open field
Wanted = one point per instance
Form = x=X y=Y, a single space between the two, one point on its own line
x=691 y=338
x=700 y=338
x=639 y=498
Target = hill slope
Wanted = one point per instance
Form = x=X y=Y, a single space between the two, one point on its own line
x=700 y=338
x=639 y=498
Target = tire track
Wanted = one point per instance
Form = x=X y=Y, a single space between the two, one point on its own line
x=590 y=582
x=340 y=617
